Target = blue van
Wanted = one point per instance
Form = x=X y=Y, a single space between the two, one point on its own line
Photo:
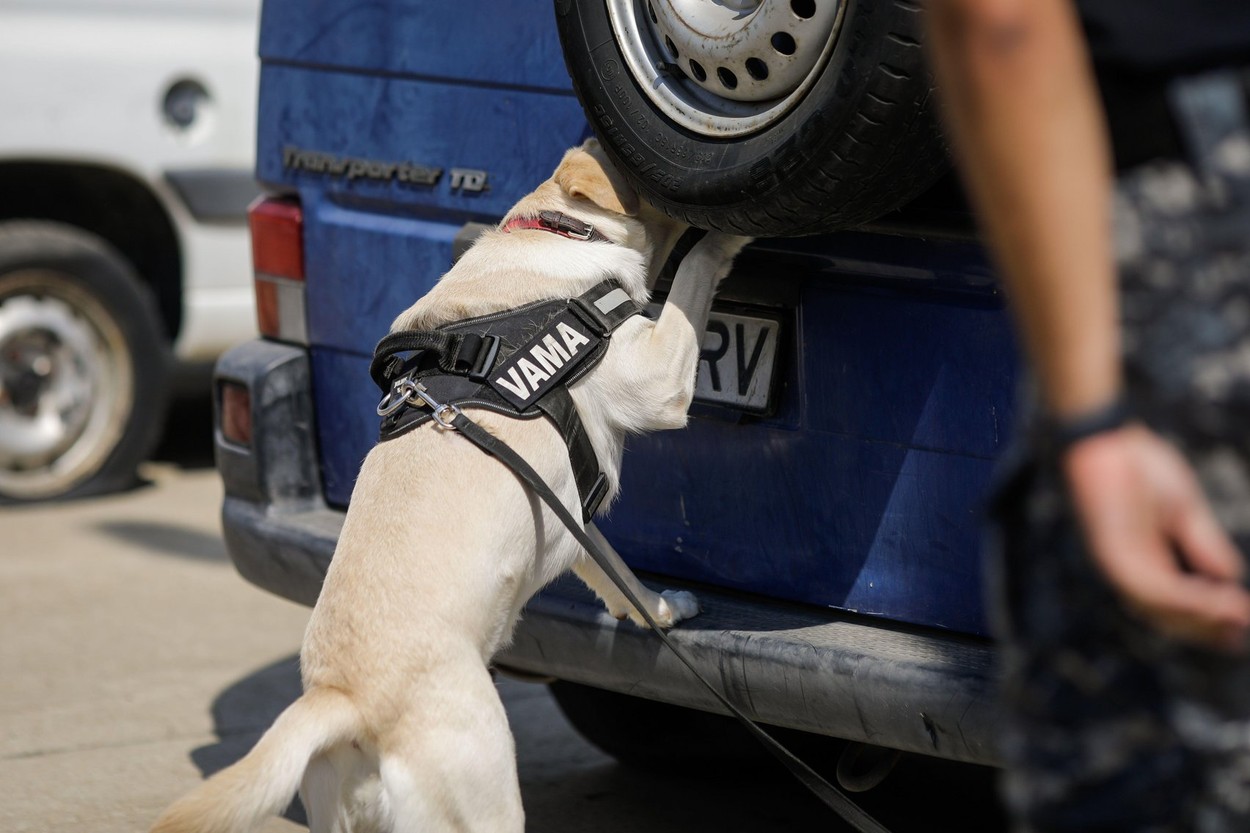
x=857 y=375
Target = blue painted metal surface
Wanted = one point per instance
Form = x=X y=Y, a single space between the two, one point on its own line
x=493 y=43
x=862 y=491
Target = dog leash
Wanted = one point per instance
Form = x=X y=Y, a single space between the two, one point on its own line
x=451 y=417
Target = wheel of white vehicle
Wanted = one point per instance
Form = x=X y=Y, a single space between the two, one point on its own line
x=83 y=364
x=759 y=117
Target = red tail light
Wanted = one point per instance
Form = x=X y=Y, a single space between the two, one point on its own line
x=236 y=413
x=277 y=226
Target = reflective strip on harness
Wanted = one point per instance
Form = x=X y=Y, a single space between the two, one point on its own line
x=612 y=300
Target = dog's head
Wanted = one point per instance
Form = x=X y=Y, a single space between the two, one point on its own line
x=586 y=174
x=588 y=186
x=585 y=185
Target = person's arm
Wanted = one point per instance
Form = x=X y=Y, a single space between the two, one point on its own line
x=1027 y=129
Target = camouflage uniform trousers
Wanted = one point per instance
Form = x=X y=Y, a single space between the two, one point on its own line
x=1110 y=726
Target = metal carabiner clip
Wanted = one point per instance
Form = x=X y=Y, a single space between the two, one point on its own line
x=445 y=416
x=407 y=391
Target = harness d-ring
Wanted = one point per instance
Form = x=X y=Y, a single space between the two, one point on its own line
x=393 y=400
x=407 y=391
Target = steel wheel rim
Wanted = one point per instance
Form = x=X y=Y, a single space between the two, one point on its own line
x=738 y=47
x=66 y=384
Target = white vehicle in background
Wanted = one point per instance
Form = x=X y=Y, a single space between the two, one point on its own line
x=126 y=152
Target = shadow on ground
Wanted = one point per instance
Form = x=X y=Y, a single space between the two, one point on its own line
x=167 y=539
x=572 y=787
x=567 y=785
x=241 y=714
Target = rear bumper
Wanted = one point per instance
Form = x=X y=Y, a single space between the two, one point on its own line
x=806 y=668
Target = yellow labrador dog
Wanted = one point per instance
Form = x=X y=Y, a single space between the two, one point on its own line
x=400 y=727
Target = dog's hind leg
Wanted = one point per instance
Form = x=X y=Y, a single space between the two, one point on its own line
x=419 y=803
x=450 y=765
x=667 y=608
x=319 y=792
x=342 y=793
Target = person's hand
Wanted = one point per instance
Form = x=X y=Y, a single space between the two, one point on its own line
x=1151 y=532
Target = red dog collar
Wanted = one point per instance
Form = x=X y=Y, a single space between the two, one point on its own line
x=557 y=223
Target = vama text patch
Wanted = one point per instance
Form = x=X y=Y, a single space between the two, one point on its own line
x=544 y=360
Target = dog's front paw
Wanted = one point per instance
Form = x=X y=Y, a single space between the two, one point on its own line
x=667 y=609
x=676 y=606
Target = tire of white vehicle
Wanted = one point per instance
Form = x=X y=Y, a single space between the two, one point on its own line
x=856 y=139
x=84 y=365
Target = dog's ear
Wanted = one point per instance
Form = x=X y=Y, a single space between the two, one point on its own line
x=585 y=172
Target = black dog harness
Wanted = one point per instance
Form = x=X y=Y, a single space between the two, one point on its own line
x=519 y=363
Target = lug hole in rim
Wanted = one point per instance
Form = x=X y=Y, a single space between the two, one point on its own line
x=801 y=8
x=784 y=43
x=745 y=97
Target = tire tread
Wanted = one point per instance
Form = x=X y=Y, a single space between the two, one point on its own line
x=105 y=273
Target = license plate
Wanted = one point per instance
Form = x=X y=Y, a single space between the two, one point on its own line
x=738 y=362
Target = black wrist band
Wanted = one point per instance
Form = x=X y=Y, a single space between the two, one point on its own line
x=1058 y=435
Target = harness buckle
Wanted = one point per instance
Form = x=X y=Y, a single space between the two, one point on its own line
x=485 y=359
x=408 y=391
x=566 y=225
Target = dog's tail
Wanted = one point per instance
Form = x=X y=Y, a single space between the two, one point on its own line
x=239 y=798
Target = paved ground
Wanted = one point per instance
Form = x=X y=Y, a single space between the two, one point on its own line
x=134 y=661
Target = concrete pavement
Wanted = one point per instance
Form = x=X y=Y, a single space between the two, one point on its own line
x=120 y=621
x=134 y=662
